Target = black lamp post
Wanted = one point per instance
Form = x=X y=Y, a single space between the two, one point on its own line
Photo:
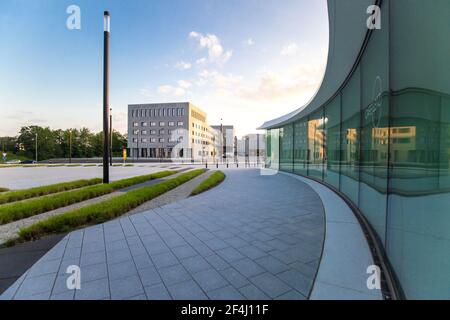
x=70 y=146
x=106 y=31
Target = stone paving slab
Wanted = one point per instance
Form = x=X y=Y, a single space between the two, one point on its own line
x=252 y=237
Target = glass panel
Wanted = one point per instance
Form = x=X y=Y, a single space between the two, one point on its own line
x=316 y=144
x=350 y=135
x=375 y=129
x=275 y=149
x=268 y=149
x=301 y=147
x=333 y=127
x=418 y=219
x=286 y=147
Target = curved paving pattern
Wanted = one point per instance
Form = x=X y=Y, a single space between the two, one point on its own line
x=252 y=237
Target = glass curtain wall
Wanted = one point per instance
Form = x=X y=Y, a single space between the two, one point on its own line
x=384 y=142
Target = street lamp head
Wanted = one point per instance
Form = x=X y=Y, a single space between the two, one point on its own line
x=106 y=21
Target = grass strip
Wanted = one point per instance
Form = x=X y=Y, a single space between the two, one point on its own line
x=20 y=210
x=103 y=211
x=213 y=180
x=45 y=190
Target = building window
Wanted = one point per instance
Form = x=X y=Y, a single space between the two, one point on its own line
x=153 y=140
x=135 y=140
x=144 y=124
x=169 y=131
x=135 y=124
x=180 y=123
x=152 y=131
x=171 y=123
x=162 y=123
x=161 y=139
x=161 y=131
x=144 y=132
x=152 y=124
x=136 y=132
x=144 y=139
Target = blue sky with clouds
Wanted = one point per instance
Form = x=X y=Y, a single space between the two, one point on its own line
x=245 y=61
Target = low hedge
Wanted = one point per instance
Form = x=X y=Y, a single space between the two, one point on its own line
x=45 y=190
x=213 y=180
x=103 y=211
x=20 y=210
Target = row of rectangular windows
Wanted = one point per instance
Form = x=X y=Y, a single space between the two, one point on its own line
x=153 y=140
x=163 y=112
x=161 y=131
x=161 y=124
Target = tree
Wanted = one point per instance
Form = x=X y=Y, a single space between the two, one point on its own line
x=119 y=141
x=82 y=143
x=9 y=144
x=46 y=142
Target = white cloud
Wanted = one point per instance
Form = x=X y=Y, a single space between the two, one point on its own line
x=184 y=84
x=171 y=90
x=274 y=86
x=165 y=89
x=201 y=61
x=290 y=49
x=250 y=42
x=219 y=80
x=216 y=52
x=182 y=65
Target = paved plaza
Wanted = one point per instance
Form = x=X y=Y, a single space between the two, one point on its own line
x=29 y=177
x=252 y=237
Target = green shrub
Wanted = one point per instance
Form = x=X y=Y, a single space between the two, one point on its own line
x=44 y=190
x=209 y=183
x=105 y=210
x=20 y=210
x=4 y=189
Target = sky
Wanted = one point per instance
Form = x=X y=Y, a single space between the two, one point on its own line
x=243 y=61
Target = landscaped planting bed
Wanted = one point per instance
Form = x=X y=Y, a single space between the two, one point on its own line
x=20 y=210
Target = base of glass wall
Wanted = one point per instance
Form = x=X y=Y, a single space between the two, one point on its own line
x=390 y=286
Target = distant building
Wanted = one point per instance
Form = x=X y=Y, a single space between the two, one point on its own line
x=225 y=140
x=169 y=130
x=252 y=146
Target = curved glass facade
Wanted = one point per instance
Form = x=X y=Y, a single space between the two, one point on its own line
x=384 y=142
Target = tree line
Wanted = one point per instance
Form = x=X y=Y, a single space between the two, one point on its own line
x=79 y=143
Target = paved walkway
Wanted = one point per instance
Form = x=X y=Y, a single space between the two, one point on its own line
x=252 y=237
